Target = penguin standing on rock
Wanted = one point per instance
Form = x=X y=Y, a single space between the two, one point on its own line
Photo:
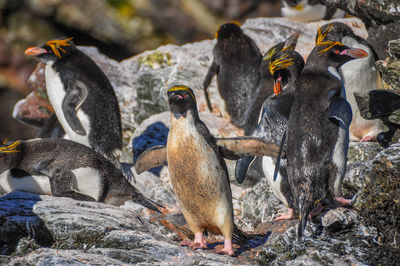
x=317 y=135
x=360 y=77
x=308 y=10
x=265 y=86
x=198 y=171
x=82 y=97
x=236 y=63
x=65 y=168
x=285 y=68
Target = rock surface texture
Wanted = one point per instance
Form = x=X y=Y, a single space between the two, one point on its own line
x=44 y=230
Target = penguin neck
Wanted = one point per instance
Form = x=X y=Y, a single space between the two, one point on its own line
x=189 y=116
x=16 y=157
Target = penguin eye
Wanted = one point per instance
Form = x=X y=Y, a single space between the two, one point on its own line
x=336 y=51
x=185 y=95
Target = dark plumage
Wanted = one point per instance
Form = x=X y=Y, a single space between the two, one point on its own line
x=73 y=170
x=236 y=63
x=359 y=76
x=265 y=86
x=285 y=68
x=317 y=136
x=82 y=97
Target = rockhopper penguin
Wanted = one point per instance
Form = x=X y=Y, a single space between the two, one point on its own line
x=285 y=68
x=359 y=76
x=65 y=168
x=236 y=63
x=82 y=97
x=198 y=171
x=308 y=10
x=317 y=136
x=265 y=86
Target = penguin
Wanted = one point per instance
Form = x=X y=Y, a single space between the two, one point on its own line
x=354 y=82
x=317 y=133
x=64 y=168
x=82 y=97
x=198 y=171
x=308 y=10
x=236 y=63
x=285 y=68
x=265 y=86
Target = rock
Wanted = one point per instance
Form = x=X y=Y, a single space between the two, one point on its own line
x=339 y=219
x=390 y=66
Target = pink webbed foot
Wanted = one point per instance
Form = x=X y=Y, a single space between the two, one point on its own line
x=198 y=242
x=343 y=200
x=227 y=250
x=317 y=210
x=367 y=138
x=286 y=216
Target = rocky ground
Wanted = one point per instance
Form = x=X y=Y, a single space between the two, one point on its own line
x=45 y=230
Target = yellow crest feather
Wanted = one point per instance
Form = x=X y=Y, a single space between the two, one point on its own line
x=280 y=63
x=320 y=40
x=13 y=147
x=183 y=88
x=56 y=45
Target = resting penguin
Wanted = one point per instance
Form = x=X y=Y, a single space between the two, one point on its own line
x=360 y=77
x=82 y=97
x=198 y=171
x=236 y=63
x=265 y=86
x=317 y=134
x=308 y=10
x=65 y=168
x=285 y=68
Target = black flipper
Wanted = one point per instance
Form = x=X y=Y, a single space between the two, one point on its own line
x=278 y=160
x=340 y=111
x=61 y=181
x=235 y=148
x=212 y=71
x=145 y=202
x=76 y=94
x=153 y=157
x=241 y=168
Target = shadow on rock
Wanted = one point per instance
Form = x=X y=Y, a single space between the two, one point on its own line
x=17 y=221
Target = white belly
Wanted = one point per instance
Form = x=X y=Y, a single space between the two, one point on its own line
x=32 y=184
x=340 y=159
x=56 y=95
x=269 y=169
x=88 y=181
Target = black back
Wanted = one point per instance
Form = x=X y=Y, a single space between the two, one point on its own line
x=101 y=104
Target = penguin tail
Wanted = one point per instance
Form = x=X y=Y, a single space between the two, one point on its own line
x=145 y=202
x=304 y=211
x=240 y=236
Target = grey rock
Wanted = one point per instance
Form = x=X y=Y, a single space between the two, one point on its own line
x=339 y=219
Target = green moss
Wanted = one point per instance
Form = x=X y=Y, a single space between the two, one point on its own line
x=156 y=59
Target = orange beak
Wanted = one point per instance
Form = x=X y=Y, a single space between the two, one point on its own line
x=278 y=86
x=35 y=51
x=355 y=53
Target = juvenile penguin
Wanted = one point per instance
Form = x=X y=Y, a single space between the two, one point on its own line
x=198 y=171
x=360 y=77
x=265 y=86
x=317 y=135
x=285 y=68
x=308 y=10
x=65 y=168
x=236 y=63
x=82 y=97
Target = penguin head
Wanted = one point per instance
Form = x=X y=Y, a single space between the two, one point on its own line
x=335 y=31
x=288 y=44
x=181 y=99
x=9 y=150
x=333 y=53
x=53 y=50
x=285 y=67
x=228 y=31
